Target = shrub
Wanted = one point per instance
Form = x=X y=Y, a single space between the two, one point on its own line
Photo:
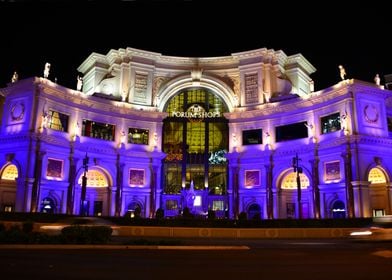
x=242 y=216
x=160 y=214
x=211 y=214
x=27 y=227
x=186 y=213
x=86 y=234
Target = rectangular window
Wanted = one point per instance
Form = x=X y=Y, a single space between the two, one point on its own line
x=138 y=136
x=330 y=123
x=252 y=137
x=197 y=201
x=57 y=121
x=171 y=204
x=218 y=205
x=8 y=208
x=98 y=130
x=291 y=132
x=389 y=122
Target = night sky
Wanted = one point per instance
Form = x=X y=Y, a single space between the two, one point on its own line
x=64 y=33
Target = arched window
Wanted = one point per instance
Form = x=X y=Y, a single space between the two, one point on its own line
x=254 y=211
x=134 y=210
x=338 y=209
x=10 y=172
x=95 y=179
x=48 y=205
x=289 y=181
x=377 y=176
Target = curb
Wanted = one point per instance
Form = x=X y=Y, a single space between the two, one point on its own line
x=120 y=247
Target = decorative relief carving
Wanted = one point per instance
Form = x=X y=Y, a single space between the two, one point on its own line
x=332 y=170
x=141 y=82
x=17 y=111
x=252 y=178
x=371 y=113
x=54 y=168
x=251 y=89
x=158 y=81
x=236 y=89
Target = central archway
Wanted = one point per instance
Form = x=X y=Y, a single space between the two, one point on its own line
x=220 y=89
x=195 y=140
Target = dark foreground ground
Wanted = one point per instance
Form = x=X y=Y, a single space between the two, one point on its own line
x=249 y=259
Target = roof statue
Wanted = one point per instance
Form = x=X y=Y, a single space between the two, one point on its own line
x=15 y=77
x=46 y=70
x=342 y=72
x=79 y=83
x=377 y=80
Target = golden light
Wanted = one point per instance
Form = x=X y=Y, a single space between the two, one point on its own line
x=376 y=176
x=10 y=172
x=289 y=182
x=95 y=179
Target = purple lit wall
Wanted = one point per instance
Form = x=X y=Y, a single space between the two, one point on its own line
x=344 y=156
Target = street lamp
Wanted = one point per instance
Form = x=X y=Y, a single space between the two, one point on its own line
x=298 y=169
x=83 y=202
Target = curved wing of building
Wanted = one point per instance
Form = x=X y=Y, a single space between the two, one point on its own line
x=244 y=133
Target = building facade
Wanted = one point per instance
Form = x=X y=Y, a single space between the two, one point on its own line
x=240 y=133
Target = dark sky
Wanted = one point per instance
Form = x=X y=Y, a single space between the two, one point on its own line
x=64 y=33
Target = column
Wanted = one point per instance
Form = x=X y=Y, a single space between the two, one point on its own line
x=152 y=188
x=389 y=197
x=349 y=188
x=236 y=199
x=316 y=191
x=269 y=195
x=37 y=180
x=119 y=185
x=71 y=181
x=362 y=198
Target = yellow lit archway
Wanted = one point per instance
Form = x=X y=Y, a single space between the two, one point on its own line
x=10 y=172
x=95 y=179
x=289 y=181
x=376 y=176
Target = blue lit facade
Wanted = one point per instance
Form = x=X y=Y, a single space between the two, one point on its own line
x=208 y=134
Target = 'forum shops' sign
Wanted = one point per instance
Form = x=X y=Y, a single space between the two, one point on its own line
x=196 y=112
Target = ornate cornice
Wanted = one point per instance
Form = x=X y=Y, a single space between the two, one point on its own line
x=334 y=94
x=91 y=60
x=54 y=140
x=12 y=139
x=299 y=59
x=92 y=103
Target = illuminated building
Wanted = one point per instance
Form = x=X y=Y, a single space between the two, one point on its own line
x=214 y=134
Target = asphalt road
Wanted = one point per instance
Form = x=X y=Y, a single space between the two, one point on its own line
x=263 y=259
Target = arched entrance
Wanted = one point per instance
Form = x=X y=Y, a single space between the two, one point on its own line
x=254 y=212
x=134 y=210
x=338 y=209
x=195 y=139
x=289 y=196
x=8 y=177
x=48 y=205
x=96 y=192
x=378 y=193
